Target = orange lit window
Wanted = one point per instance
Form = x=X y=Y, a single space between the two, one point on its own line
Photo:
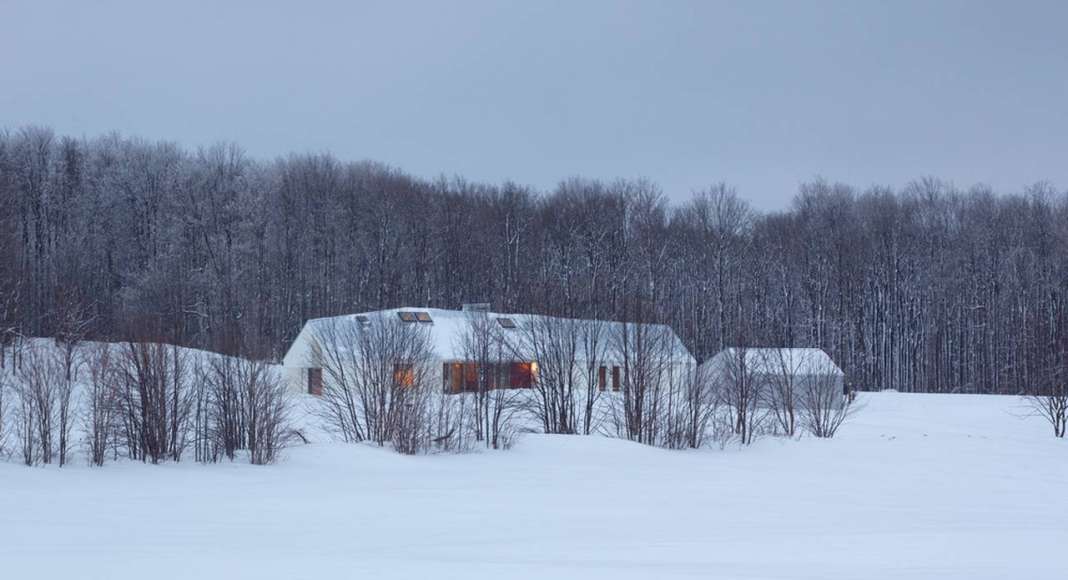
x=521 y=375
x=471 y=377
x=456 y=377
x=403 y=375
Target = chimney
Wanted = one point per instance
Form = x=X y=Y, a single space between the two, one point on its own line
x=475 y=307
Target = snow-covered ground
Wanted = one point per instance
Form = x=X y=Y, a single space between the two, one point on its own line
x=915 y=486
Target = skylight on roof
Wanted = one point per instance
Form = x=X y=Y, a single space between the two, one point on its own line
x=407 y=316
x=506 y=322
x=423 y=317
x=363 y=320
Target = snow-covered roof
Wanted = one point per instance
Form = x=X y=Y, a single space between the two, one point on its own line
x=798 y=361
x=449 y=327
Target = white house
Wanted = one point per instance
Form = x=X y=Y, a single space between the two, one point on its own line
x=804 y=367
x=518 y=366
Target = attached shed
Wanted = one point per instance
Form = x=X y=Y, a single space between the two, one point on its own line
x=800 y=368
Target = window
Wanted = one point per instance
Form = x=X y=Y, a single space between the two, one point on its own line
x=363 y=320
x=460 y=377
x=521 y=375
x=423 y=317
x=471 y=377
x=456 y=377
x=407 y=316
x=615 y=378
x=315 y=381
x=506 y=322
x=465 y=377
x=602 y=382
x=403 y=375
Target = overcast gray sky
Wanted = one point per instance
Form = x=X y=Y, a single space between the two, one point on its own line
x=762 y=95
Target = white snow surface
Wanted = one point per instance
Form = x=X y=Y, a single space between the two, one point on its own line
x=915 y=486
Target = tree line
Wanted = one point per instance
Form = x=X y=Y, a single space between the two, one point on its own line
x=927 y=288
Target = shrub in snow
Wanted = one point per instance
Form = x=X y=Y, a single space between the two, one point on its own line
x=4 y=380
x=101 y=406
x=822 y=407
x=265 y=412
x=377 y=383
x=484 y=345
x=1052 y=405
x=241 y=404
x=44 y=400
x=649 y=378
x=155 y=400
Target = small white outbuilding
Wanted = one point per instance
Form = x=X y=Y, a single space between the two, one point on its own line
x=802 y=368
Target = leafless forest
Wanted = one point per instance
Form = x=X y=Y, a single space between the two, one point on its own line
x=926 y=288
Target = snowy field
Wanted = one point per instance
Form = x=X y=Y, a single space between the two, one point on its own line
x=916 y=486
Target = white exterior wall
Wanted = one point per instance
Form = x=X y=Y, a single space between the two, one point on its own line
x=446 y=327
x=715 y=369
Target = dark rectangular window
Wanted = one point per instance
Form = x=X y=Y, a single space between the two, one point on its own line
x=602 y=380
x=423 y=317
x=407 y=316
x=315 y=381
x=506 y=322
x=615 y=378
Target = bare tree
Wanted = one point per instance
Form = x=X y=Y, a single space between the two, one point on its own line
x=241 y=404
x=43 y=389
x=646 y=353
x=101 y=402
x=223 y=380
x=780 y=370
x=740 y=392
x=335 y=350
x=68 y=353
x=449 y=419
x=155 y=399
x=1053 y=407
x=376 y=375
x=1049 y=397
x=698 y=409
x=554 y=344
x=265 y=411
x=10 y=299
x=413 y=423
x=487 y=353
x=822 y=403
x=5 y=381
x=593 y=346
x=25 y=421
